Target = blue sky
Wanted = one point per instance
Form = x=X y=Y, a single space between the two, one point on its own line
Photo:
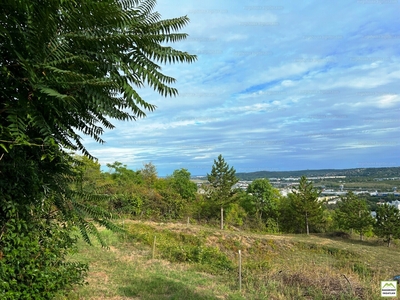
x=278 y=85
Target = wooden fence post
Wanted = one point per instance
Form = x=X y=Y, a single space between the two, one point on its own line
x=240 y=270
x=222 y=218
x=154 y=247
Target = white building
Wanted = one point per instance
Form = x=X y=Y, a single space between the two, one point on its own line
x=396 y=204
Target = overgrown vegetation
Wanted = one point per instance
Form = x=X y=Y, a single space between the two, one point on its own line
x=261 y=208
x=273 y=266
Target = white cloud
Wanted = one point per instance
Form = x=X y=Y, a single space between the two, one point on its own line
x=388 y=101
x=288 y=88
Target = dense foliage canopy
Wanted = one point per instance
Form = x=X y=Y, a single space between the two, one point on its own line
x=353 y=213
x=67 y=69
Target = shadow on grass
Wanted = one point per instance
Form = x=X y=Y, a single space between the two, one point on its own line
x=159 y=288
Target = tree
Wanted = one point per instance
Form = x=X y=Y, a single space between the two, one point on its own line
x=122 y=175
x=90 y=182
x=183 y=185
x=289 y=217
x=90 y=174
x=305 y=201
x=124 y=190
x=264 y=200
x=149 y=173
x=64 y=74
x=66 y=69
x=169 y=204
x=221 y=179
x=353 y=213
x=387 y=224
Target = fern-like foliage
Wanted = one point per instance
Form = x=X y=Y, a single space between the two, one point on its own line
x=68 y=68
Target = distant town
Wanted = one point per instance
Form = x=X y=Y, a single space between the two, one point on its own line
x=362 y=182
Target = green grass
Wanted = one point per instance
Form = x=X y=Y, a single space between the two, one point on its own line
x=126 y=271
x=202 y=263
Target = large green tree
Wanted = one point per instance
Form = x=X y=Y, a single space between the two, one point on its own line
x=222 y=178
x=264 y=201
x=67 y=69
x=306 y=204
x=181 y=182
x=353 y=213
x=387 y=224
x=125 y=187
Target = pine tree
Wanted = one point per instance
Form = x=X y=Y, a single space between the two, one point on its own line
x=387 y=224
x=353 y=213
x=306 y=203
x=222 y=178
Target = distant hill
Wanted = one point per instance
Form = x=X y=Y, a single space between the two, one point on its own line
x=357 y=172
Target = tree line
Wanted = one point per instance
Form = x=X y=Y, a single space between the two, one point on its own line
x=141 y=194
x=358 y=173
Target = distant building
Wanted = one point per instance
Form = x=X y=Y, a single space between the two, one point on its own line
x=242 y=185
x=396 y=204
x=329 y=199
x=285 y=192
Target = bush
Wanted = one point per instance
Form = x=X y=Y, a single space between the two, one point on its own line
x=235 y=215
x=33 y=258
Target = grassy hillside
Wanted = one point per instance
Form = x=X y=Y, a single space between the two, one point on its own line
x=202 y=263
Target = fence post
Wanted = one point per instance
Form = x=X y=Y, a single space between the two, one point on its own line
x=240 y=270
x=222 y=218
x=123 y=227
x=154 y=247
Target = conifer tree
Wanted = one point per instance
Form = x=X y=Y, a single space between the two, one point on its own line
x=305 y=201
x=222 y=178
x=353 y=213
x=387 y=224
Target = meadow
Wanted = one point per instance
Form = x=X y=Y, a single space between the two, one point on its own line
x=187 y=261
